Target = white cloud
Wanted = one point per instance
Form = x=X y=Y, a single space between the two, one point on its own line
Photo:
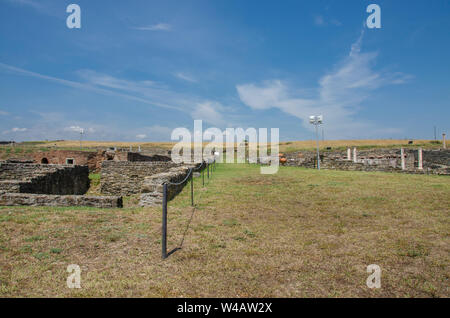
x=141 y=136
x=16 y=129
x=146 y=92
x=155 y=27
x=111 y=86
x=209 y=112
x=339 y=95
x=186 y=77
x=3 y=113
x=79 y=129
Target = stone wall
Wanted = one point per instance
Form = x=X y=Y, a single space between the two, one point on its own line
x=126 y=178
x=139 y=157
x=152 y=187
x=43 y=179
x=19 y=199
x=437 y=160
x=434 y=161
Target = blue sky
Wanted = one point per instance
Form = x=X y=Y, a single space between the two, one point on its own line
x=138 y=69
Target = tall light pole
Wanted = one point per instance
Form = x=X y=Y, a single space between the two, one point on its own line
x=316 y=121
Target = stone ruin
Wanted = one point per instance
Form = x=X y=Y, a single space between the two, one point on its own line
x=49 y=185
x=126 y=178
x=142 y=178
x=92 y=159
x=152 y=187
x=388 y=160
x=43 y=181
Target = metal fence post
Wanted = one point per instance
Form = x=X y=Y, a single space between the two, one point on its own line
x=207 y=165
x=203 y=176
x=192 y=187
x=164 y=222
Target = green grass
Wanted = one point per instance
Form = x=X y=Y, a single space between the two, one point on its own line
x=298 y=233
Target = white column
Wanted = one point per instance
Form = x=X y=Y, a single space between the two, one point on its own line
x=355 y=155
x=139 y=149
x=443 y=141
x=419 y=159
x=131 y=149
x=349 y=154
x=402 y=154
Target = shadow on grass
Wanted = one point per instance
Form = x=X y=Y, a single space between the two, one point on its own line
x=188 y=225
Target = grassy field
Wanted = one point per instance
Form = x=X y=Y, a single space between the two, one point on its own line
x=299 y=233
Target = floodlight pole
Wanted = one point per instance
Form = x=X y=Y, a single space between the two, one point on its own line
x=317 y=142
x=316 y=121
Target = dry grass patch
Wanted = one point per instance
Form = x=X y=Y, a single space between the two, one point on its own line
x=299 y=233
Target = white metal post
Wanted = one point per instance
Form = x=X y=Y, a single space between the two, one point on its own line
x=402 y=154
x=318 y=150
x=420 y=159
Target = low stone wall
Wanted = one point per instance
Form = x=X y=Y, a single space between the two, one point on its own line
x=389 y=160
x=437 y=161
x=138 y=157
x=44 y=179
x=152 y=188
x=126 y=178
x=27 y=199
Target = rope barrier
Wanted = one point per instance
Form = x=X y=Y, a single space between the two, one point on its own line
x=166 y=184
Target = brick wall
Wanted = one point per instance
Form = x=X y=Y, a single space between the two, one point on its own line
x=82 y=158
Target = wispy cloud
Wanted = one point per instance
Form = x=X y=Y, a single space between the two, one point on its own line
x=156 y=132
x=339 y=95
x=210 y=112
x=146 y=92
x=185 y=77
x=3 y=113
x=42 y=7
x=15 y=130
x=155 y=27
x=79 y=129
x=30 y=3
x=97 y=82
x=320 y=20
